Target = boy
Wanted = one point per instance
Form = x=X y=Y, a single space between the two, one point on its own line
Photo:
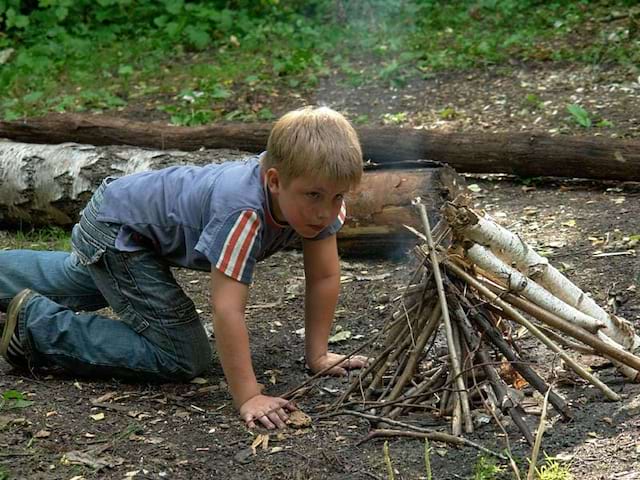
x=220 y=218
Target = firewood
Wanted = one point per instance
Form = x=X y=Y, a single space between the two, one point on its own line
x=521 y=153
x=518 y=318
x=513 y=250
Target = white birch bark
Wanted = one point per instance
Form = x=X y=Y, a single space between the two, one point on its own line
x=512 y=249
x=516 y=282
x=49 y=184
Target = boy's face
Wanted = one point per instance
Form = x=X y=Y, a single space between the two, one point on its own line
x=308 y=205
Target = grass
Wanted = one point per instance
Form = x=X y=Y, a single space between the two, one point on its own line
x=198 y=64
x=49 y=238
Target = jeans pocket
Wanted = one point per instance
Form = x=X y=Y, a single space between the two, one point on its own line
x=179 y=315
x=87 y=252
x=129 y=316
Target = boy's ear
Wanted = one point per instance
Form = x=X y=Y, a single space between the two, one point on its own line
x=274 y=182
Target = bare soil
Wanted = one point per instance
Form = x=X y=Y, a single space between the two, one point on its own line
x=191 y=431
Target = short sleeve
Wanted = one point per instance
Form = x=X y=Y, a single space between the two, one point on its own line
x=235 y=245
x=335 y=226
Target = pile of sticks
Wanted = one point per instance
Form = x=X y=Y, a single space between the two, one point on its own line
x=450 y=346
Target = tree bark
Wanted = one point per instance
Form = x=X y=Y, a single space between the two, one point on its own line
x=49 y=185
x=525 y=154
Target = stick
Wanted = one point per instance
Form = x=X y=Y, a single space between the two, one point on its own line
x=434 y=436
x=515 y=411
x=527 y=372
x=412 y=362
x=518 y=318
x=607 y=349
x=453 y=354
x=539 y=435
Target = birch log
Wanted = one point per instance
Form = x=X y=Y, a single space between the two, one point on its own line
x=49 y=185
x=510 y=248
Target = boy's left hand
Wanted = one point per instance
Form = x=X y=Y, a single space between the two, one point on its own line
x=342 y=364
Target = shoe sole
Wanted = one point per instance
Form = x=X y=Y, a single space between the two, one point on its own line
x=11 y=320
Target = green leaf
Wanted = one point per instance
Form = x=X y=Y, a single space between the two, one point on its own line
x=198 y=37
x=125 y=70
x=174 y=7
x=32 y=97
x=580 y=115
x=12 y=399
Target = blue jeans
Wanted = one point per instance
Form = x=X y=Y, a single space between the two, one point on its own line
x=159 y=336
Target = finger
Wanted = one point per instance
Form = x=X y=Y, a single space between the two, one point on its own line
x=338 y=372
x=290 y=406
x=276 y=420
x=358 y=362
x=266 y=421
x=282 y=414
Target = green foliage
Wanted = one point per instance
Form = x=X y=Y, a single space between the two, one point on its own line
x=387 y=461
x=78 y=55
x=463 y=33
x=580 y=115
x=486 y=469
x=50 y=238
x=12 y=399
x=552 y=470
x=4 y=474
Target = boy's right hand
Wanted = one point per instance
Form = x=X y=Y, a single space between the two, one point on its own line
x=269 y=411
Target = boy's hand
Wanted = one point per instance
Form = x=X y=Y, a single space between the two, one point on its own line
x=343 y=364
x=269 y=411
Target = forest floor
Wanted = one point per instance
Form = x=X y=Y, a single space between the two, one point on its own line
x=77 y=428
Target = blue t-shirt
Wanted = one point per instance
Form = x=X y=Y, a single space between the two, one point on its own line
x=196 y=217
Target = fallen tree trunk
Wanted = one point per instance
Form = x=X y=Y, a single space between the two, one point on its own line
x=49 y=185
x=525 y=154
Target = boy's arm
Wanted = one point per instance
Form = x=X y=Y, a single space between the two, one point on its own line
x=228 y=300
x=322 y=286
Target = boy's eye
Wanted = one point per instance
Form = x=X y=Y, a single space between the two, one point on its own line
x=339 y=197
x=313 y=195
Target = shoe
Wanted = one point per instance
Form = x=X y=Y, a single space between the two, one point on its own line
x=10 y=330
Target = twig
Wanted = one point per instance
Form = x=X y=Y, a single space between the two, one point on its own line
x=412 y=362
x=580 y=334
x=434 y=436
x=527 y=372
x=453 y=354
x=518 y=318
x=291 y=392
x=539 y=435
x=515 y=411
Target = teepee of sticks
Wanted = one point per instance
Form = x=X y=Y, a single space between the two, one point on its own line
x=468 y=297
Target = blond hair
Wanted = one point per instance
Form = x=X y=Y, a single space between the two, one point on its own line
x=315 y=142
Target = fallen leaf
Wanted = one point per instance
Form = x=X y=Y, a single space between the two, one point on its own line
x=105 y=398
x=42 y=434
x=261 y=439
x=199 y=381
x=98 y=416
x=341 y=336
x=299 y=419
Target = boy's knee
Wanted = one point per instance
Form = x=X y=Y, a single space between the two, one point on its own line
x=194 y=365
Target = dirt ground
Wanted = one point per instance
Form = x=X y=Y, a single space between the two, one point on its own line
x=80 y=429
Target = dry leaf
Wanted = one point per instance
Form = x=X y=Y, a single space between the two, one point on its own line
x=261 y=439
x=299 y=419
x=98 y=416
x=42 y=434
